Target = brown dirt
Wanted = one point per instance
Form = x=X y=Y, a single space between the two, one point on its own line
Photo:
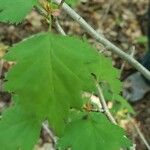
x=122 y=22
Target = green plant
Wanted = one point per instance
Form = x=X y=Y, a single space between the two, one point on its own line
x=142 y=40
x=72 y=2
x=50 y=76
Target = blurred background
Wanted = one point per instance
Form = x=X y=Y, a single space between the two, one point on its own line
x=123 y=22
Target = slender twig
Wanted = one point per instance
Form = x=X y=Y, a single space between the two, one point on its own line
x=58 y=27
x=132 y=55
x=106 y=110
x=41 y=11
x=50 y=133
x=103 y=103
x=48 y=17
x=101 y=39
x=141 y=135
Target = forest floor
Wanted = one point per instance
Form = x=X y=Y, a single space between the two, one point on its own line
x=123 y=22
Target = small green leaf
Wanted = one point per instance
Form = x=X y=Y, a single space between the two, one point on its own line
x=92 y=132
x=122 y=104
x=14 y=11
x=142 y=40
x=72 y=2
x=19 y=130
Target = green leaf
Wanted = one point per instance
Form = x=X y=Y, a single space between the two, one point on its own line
x=14 y=11
x=142 y=40
x=119 y=103
x=18 y=130
x=92 y=132
x=72 y=2
x=51 y=72
x=122 y=104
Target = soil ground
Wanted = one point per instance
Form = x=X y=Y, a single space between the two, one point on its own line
x=123 y=22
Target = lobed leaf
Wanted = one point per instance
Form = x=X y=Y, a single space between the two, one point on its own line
x=14 y=11
x=92 y=132
x=50 y=73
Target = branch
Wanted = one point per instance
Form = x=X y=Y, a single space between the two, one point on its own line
x=101 y=39
x=50 y=133
x=132 y=55
x=103 y=103
x=141 y=135
x=58 y=27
